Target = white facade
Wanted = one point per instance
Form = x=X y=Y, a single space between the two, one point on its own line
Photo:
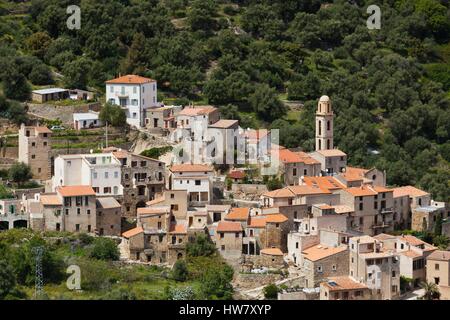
x=101 y=171
x=198 y=185
x=86 y=120
x=134 y=94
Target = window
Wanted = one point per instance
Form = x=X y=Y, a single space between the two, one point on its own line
x=198 y=182
x=45 y=143
x=334 y=267
x=437 y=280
x=67 y=212
x=172 y=196
x=319 y=268
x=305 y=172
x=236 y=235
x=67 y=201
x=143 y=163
x=328 y=125
x=78 y=211
x=33 y=156
x=116 y=174
x=111 y=89
x=436 y=266
x=221 y=235
x=134 y=89
x=107 y=190
x=222 y=247
x=116 y=190
x=159 y=225
x=95 y=175
x=296 y=245
x=294 y=172
x=79 y=201
x=89 y=228
x=77 y=227
x=361 y=206
x=393 y=274
x=33 y=144
x=106 y=175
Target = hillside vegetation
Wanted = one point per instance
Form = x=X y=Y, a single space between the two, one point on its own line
x=390 y=87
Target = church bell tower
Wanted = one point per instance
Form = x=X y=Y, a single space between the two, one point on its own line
x=324 y=124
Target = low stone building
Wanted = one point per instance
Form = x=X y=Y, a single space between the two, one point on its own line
x=71 y=208
x=228 y=239
x=425 y=218
x=321 y=262
x=343 y=288
x=438 y=272
x=108 y=217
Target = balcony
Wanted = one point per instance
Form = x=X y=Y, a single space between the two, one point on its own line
x=381 y=225
x=386 y=210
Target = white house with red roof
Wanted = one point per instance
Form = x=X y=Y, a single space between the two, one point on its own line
x=134 y=94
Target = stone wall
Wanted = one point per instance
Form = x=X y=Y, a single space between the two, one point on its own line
x=64 y=113
x=249 y=188
x=252 y=280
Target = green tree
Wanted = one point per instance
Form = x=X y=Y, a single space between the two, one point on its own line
x=16 y=86
x=20 y=173
x=7 y=279
x=105 y=249
x=38 y=44
x=113 y=114
x=271 y=291
x=76 y=73
x=135 y=62
x=180 y=271
x=266 y=104
x=200 y=16
x=438 y=226
x=431 y=291
x=41 y=75
x=202 y=246
x=441 y=241
x=274 y=183
x=216 y=283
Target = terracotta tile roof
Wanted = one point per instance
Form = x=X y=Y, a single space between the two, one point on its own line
x=272 y=252
x=120 y=154
x=224 y=124
x=292 y=191
x=288 y=156
x=343 y=283
x=341 y=209
x=107 y=203
x=325 y=206
x=43 y=130
x=51 y=200
x=256 y=135
x=153 y=210
x=276 y=218
x=439 y=255
x=414 y=241
x=130 y=79
x=72 y=191
x=257 y=222
x=364 y=239
x=156 y=201
x=354 y=174
x=410 y=254
x=332 y=153
x=409 y=191
x=187 y=167
x=361 y=191
x=196 y=111
x=240 y=214
x=383 y=236
x=327 y=182
x=321 y=251
x=237 y=174
x=227 y=226
x=133 y=232
x=177 y=228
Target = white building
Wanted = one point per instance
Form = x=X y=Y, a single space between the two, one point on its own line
x=134 y=94
x=102 y=171
x=196 y=179
x=86 y=120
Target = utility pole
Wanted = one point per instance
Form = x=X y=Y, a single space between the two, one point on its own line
x=39 y=282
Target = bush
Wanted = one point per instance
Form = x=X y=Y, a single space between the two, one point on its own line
x=155 y=153
x=202 y=246
x=20 y=173
x=216 y=283
x=180 y=271
x=7 y=279
x=105 y=249
x=271 y=291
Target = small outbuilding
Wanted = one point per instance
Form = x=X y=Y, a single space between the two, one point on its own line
x=50 y=94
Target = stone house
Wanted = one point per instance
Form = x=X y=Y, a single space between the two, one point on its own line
x=332 y=161
x=425 y=218
x=108 y=217
x=228 y=239
x=142 y=178
x=71 y=208
x=412 y=252
x=406 y=199
x=321 y=262
x=356 y=177
x=376 y=267
x=196 y=179
x=134 y=243
x=217 y=213
x=176 y=200
x=343 y=288
x=294 y=165
x=438 y=272
x=34 y=150
x=372 y=207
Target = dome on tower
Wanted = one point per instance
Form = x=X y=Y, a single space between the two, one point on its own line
x=324 y=99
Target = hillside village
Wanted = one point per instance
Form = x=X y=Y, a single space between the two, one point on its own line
x=303 y=220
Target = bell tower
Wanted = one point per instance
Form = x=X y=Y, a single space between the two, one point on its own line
x=324 y=124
